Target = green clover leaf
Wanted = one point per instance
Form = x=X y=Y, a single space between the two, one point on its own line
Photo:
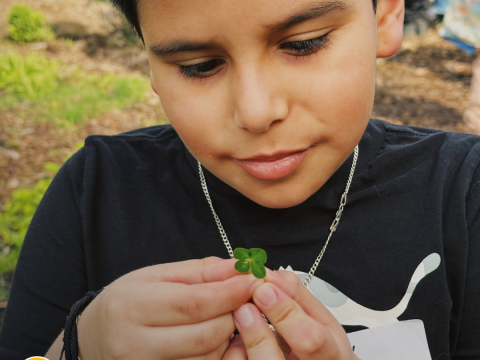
x=251 y=261
x=258 y=255
x=241 y=254
x=242 y=266
x=258 y=270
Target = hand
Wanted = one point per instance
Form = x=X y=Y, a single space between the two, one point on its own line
x=169 y=311
x=309 y=329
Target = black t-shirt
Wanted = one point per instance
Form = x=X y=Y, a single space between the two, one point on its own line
x=410 y=232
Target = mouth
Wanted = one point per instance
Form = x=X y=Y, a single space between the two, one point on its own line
x=275 y=166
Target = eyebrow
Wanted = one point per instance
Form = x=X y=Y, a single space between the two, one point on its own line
x=319 y=11
x=176 y=46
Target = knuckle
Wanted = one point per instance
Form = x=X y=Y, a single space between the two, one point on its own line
x=219 y=352
x=285 y=312
x=210 y=260
x=208 y=341
x=291 y=279
x=190 y=307
x=205 y=265
x=255 y=342
x=231 y=298
x=313 y=342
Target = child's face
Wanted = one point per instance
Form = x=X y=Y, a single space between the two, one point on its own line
x=285 y=84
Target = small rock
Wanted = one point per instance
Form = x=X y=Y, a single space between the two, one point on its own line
x=69 y=30
x=14 y=155
x=421 y=71
x=54 y=47
x=13 y=183
x=27 y=131
x=39 y=46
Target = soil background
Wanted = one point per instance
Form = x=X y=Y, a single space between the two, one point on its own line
x=426 y=83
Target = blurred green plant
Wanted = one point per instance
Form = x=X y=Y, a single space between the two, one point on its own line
x=16 y=217
x=88 y=96
x=74 y=97
x=28 y=25
x=28 y=77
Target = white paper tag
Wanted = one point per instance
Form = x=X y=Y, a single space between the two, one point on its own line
x=397 y=341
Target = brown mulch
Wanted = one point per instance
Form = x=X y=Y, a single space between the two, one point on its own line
x=96 y=17
x=38 y=143
x=27 y=143
x=426 y=83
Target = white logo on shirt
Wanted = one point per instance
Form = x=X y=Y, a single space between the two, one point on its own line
x=348 y=312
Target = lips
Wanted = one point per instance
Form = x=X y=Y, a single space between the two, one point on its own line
x=271 y=167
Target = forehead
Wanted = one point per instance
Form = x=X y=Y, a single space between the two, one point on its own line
x=206 y=17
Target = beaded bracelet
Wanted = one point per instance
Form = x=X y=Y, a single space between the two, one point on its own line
x=70 y=338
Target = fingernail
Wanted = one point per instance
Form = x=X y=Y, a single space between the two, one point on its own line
x=244 y=316
x=272 y=272
x=266 y=295
x=255 y=285
x=237 y=340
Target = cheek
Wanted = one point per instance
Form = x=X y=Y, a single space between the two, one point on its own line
x=341 y=84
x=192 y=110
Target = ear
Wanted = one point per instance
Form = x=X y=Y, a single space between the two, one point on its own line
x=390 y=15
x=152 y=83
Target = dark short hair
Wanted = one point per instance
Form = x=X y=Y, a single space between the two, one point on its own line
x=129 y=9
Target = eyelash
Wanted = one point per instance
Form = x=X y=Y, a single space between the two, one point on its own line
x=307 y=47
x=298 y=48
x=198 y=70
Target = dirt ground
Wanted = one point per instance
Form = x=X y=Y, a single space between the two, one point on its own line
x=425 y=84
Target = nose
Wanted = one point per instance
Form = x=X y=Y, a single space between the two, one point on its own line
x=259 y=101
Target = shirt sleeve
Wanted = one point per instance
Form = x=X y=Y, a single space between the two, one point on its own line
x=467 y=344
x=51 y=274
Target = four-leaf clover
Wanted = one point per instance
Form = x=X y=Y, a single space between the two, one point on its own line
x=251 y=261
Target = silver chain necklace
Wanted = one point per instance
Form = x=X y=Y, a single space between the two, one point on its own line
x=333 y=227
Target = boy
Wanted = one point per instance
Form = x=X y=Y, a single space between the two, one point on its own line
x=272 y=98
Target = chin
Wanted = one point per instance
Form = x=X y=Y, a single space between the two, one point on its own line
x=277 y=198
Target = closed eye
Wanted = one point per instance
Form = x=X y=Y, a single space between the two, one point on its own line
x=201 y=70
x=296 y=48
x=306 y=47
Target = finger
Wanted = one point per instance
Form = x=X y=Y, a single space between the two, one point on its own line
x=186 y=304
x=236 y=350
x=187 y=341
x=283 y=344
x=257 y=336
x=292 y=357
x=195 y=271
x=307 y=338
x=214 y=355
x=291 y=285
